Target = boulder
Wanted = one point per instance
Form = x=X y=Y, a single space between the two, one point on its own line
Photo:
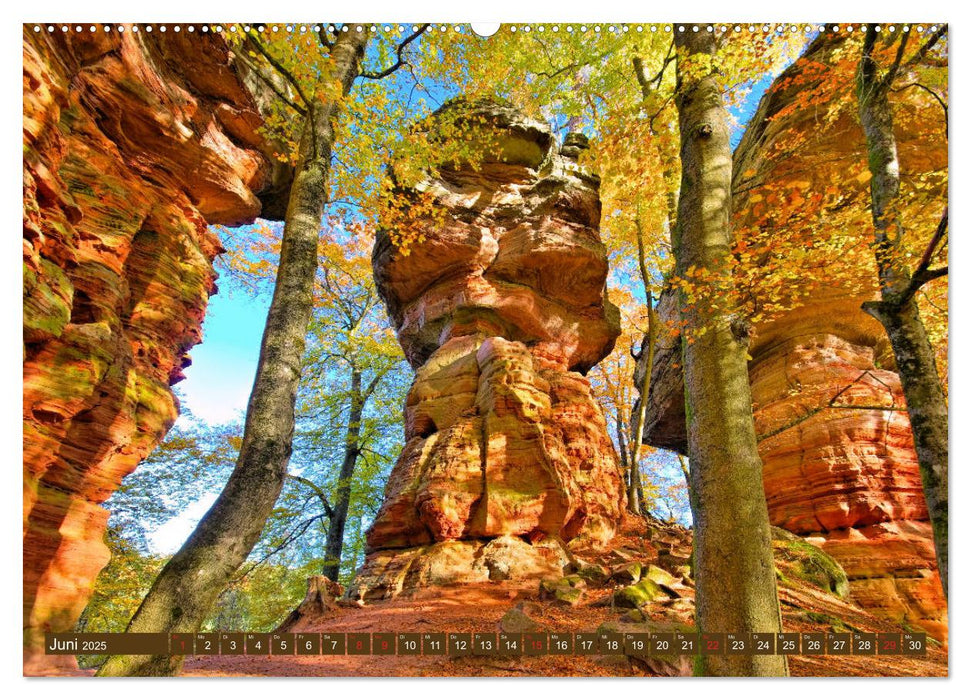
x=641 y=593
x=515 y=621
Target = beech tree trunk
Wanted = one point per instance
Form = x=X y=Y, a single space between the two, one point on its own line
x=734 y=569
x=897 y=309
x=649 y=345
x=191 y=581
x=637 y=490
x=927 y=409
x=338 y=521
x=632 y=483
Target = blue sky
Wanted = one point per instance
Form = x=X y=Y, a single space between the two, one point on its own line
x=218 y=383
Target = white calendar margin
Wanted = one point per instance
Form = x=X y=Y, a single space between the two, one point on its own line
x=461 y=11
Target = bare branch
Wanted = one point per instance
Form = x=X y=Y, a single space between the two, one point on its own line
x=933 y=94
x=925 y=259
x=930 y=302
x=400 y=54
x=317 y=491
x=934 y=274
x=292 y=537
x=373 y=385
x=923 y=274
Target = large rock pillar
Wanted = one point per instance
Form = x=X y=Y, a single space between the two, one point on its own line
x=501 y=309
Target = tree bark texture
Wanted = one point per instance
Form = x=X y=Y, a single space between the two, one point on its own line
x=734 y=569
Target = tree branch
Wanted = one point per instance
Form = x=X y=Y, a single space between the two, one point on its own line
x=400 y=54
x=868 y=64
x=682 y=462
x=325 y=40
x=641 y=74
x=925 y=259
x=929 y=275
x=928 y=45
x=658 y=112
x=895 y=66
x=317 y=491
x=576 y=64
x=933 y=94
x=294 y=535
x=923 y=274
x=279 y=67
x=373 y=384
x=266 y=80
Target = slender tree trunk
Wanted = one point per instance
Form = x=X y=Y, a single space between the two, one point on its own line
x=622 y=444
x=191 y=581
x=684 y=470
x=629 y=473
x=649 y=346
x=669 y=178
x=637 y=488
x=897 y=309
x=335 y=533
x=734 y=569
x=927 y=409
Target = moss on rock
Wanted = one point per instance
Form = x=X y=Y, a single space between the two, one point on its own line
x=641 y=593
x=798 y=559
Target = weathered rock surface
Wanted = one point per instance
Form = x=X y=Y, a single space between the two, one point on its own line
x=839 y=465
x=133 y=143
x=501 y=311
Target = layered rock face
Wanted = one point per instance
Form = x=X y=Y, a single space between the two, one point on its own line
x=501 y=310
x=839 y=466
x=839 y=460
x=133 y=143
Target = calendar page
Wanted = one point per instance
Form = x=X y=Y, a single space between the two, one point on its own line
x=605 y=349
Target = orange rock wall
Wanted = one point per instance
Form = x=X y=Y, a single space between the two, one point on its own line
x=501 y=310
x=133 y=144
x=839 y=465
x=839 y=462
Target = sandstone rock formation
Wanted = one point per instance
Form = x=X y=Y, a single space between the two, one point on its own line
x=501 y=311
x=839 y=466
x=133 y=144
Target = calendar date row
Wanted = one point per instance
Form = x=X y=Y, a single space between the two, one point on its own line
x=491 y=643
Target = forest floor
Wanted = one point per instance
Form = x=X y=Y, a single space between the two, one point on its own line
x=482 y=607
